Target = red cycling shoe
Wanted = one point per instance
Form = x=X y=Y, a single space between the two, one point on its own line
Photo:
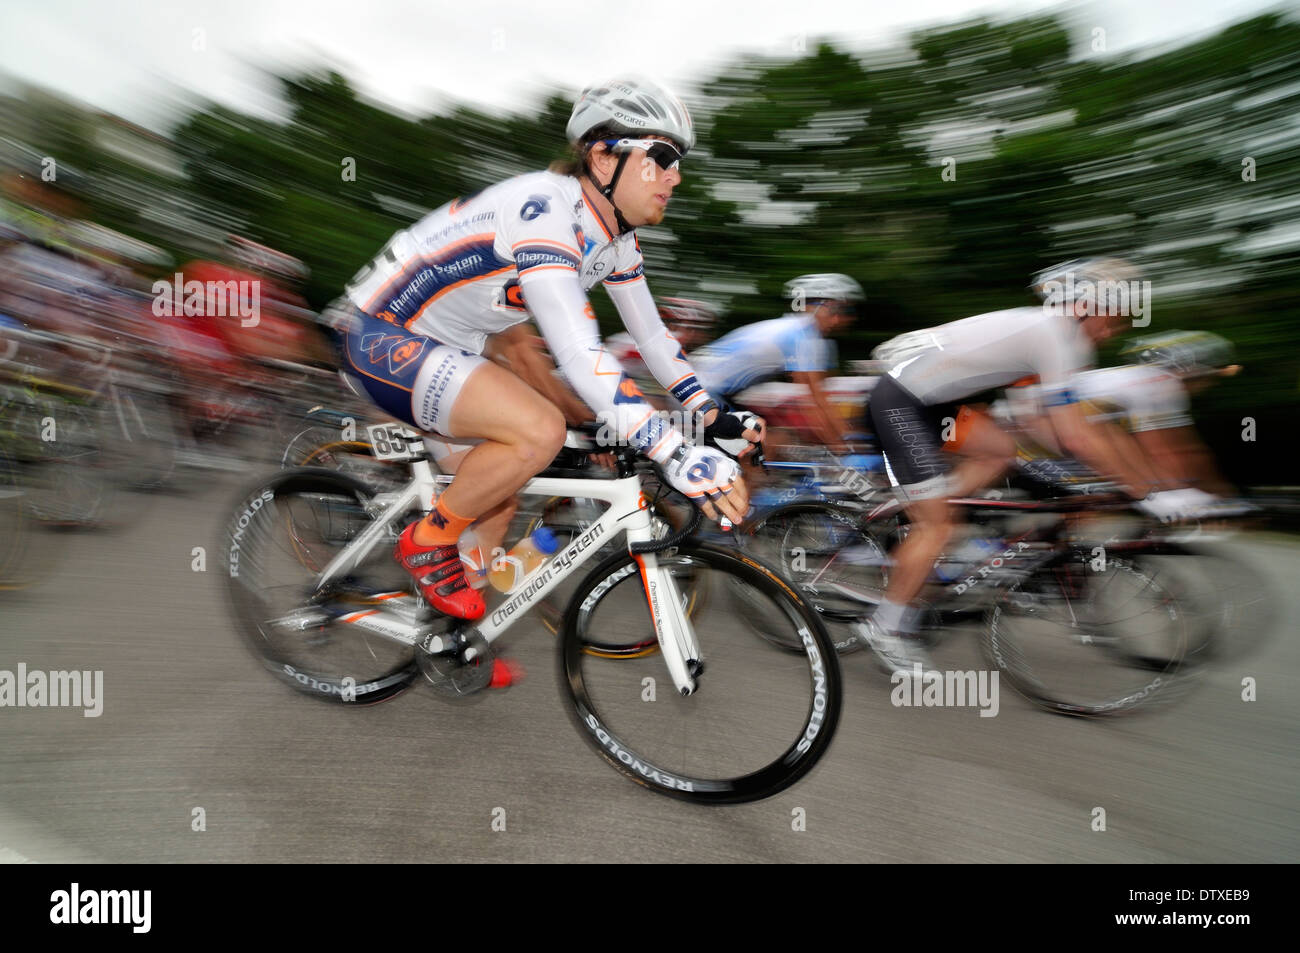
x=440 y=575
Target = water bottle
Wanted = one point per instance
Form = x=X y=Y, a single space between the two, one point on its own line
x=527 y=555
x=473 y=559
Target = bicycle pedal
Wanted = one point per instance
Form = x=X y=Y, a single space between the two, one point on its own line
x=303 y=619
x=439 y=638
x=457 y=664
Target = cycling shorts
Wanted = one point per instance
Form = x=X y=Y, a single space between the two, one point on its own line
x=413 y=378
x=910 y=435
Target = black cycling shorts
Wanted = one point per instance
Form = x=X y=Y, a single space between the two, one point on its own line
x=909 y=434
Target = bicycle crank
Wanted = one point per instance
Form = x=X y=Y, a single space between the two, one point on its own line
x=457 y=663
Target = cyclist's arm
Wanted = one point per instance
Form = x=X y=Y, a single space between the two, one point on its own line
x=568 y=324
x=825 y=421
x=523 y=353
x=660 y=351
x=1182 y=458
x=1104 y=447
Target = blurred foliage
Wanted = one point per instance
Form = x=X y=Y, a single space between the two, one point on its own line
x=832 y=162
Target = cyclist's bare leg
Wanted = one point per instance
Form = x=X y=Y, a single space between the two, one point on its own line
x=932 y=527
x=987 y=451
x=521 y=431
x=490 y=528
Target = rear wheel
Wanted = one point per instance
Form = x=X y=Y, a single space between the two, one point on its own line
x=280 y=537
x=1083 y=637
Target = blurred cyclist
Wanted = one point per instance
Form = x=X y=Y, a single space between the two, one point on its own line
x=944 y=365
x=1149 y=402
x=690 y=322
x=1155 y=396
x=795 y=344
x=533 y=246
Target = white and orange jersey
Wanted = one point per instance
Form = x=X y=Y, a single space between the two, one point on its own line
x=455 y=274
x=531 y=245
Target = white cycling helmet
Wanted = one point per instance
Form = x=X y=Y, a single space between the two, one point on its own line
x=1188 y=353
x=824 y=287
x=1084 y=275
x=632 y=106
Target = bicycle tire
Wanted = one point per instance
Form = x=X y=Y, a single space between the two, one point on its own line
x=1147 y=662
x=140 y=428
x=1225 y=601
x=804 y=556
x=71 y=478
x=800 y=692
x=333 y=510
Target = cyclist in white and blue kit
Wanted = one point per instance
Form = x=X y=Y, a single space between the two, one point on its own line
x=794 y=345
x=533 y=246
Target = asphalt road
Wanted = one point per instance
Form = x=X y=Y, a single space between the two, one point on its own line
x=189 y=721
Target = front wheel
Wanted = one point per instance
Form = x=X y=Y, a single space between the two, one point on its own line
x=759 y=719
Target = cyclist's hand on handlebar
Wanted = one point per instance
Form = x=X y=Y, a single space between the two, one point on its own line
x=710 y=479
x=729 y=432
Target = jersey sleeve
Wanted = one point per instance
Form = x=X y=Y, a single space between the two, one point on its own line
x=1056 y=358
x=568 y=323
x=538 y=231
x=660 y=351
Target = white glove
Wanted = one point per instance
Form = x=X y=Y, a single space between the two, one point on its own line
x=1166 y=505
x=701 y=473
x=1198 y=503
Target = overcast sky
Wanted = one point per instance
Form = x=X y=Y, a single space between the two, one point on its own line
x=136 y=57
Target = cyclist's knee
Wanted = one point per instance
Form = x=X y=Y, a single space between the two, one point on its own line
x=539 y=435
x=552 y=430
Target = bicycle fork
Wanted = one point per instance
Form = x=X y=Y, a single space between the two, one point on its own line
x=677 y=642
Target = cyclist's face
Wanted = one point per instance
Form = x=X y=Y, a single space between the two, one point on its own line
x=644 y=189
x=835 y=316
x=1103 y=327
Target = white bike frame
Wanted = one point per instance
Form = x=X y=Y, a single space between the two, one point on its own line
x=394 y=618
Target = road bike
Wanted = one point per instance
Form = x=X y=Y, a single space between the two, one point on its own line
x=706 y=714
x=1077 y=624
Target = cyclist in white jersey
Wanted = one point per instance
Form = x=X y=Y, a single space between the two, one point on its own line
x=533 y=246
x=1151 y=401
x=917 y=400
x=795 y=344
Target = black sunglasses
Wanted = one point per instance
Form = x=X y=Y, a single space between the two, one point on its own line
x=665 y=154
